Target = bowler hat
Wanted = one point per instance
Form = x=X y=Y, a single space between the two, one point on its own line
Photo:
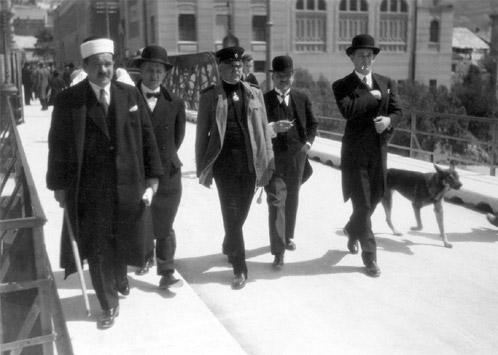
x=154 y=54
x=229 y=54
x=282 y=63
x=363 y=41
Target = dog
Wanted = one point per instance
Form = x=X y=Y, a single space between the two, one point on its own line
x=421 y=189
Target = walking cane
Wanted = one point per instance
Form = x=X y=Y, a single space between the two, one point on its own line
x=77 y=260
x=260 y=194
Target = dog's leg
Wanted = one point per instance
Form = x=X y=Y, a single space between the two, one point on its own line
x=438 y=210
x=416 y=210
x=493 y=219
x=387 y=203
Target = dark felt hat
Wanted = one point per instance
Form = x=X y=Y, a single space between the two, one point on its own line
x=282 y=63
x=229 y=54
x=363 y=41
x=155 y=54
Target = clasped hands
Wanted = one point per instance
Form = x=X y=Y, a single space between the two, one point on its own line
x=381 y=122
x=150 y=191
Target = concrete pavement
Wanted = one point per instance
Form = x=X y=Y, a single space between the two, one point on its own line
x=428 y=300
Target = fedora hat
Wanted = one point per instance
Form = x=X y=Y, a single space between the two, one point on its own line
x=282 y=63
x=363 y=41
x=154 y=54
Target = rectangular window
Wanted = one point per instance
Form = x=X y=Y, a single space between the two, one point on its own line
x=259 y=28
x=187 y=27
x=153 y=29
x=220 y=28
x=433 y=84
x=134 y=29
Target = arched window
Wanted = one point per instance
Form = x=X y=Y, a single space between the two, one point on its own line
x=434 y=31
x=353 y=20
x=393 y=36
x=311 y=26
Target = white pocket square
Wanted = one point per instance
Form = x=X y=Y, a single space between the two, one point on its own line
x=134 y=108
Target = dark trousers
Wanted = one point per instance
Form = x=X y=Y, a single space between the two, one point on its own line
x=106 y=269
x=164 y=209
x=368 y=180
x=27 y=95
x=235 y=192
x=283 y=196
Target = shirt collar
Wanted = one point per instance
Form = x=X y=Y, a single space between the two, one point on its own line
x=145 y=89
x=96 y=89
x=280 y=93
x=361 y=76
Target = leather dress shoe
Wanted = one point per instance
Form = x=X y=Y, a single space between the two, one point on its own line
x=278 y=262
x=372 y=269
x=290 y=245
x=168 y=281
x=352 y=243
x=145 y=270
x=239 y=281
x=106 y=319
x=122 y=286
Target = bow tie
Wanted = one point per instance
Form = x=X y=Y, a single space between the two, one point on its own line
x=153 y=94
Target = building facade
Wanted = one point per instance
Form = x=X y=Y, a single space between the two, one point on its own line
x=415 y=35
x=75 y=20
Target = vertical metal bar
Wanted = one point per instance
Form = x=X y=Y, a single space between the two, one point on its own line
x=413 y=127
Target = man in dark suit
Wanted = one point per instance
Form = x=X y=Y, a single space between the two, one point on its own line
x=103 y=167
x=368 y=102
x=294 y=126
x=167 y=113
x=233 y=145
x=248 y=70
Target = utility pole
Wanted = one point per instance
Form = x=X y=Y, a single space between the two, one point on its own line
x=5 y=15
x=230 y=40
x=108 y=30
x=269 y=25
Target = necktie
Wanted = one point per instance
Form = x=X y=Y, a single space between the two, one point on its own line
x=365 y=82
x=103 y=101
x=152 y=94
x=283 y=96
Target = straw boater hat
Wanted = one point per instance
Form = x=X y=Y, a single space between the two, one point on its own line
x=154 y=54
x=363 y=41
x=96 y=46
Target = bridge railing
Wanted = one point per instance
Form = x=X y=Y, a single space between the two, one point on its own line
x=436 y=137
x=31 y=313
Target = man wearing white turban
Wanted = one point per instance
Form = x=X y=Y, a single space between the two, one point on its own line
x=103 y=167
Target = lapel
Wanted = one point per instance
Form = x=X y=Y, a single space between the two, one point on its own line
x=382 y=85
x=274 y=104
x=221 y=109
x=165 y=104
x=119 y=103
x=94 y=110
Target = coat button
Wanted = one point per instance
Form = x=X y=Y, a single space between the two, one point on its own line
x=163 y=147
x=111 y=147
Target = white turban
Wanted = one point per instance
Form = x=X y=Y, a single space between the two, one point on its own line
x=101 y=45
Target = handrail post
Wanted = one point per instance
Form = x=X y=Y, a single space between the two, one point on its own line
x=413 y=127
x=492 y=169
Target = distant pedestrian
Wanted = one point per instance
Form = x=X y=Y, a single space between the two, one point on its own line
x=27 y=83
x=56 y=86
x=42 y=76
x=167 y=112
x=233 y=145
x=369 y=103
x=248 y=70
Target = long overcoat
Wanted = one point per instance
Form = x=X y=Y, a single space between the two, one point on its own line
x=359 y=108
x=211 y=127
x=77 y=116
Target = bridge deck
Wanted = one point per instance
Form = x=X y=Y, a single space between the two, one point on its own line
x=428 y=300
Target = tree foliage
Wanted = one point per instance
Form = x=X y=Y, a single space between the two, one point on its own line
x=44 y=46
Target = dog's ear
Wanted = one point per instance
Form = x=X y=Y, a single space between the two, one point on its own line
x=438 y=168
x=452 y=164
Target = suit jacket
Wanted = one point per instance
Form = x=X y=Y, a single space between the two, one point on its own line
x=303 y=114
x=169 y=124
x=136 y=159
x=359 y=108
x=211 y=126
